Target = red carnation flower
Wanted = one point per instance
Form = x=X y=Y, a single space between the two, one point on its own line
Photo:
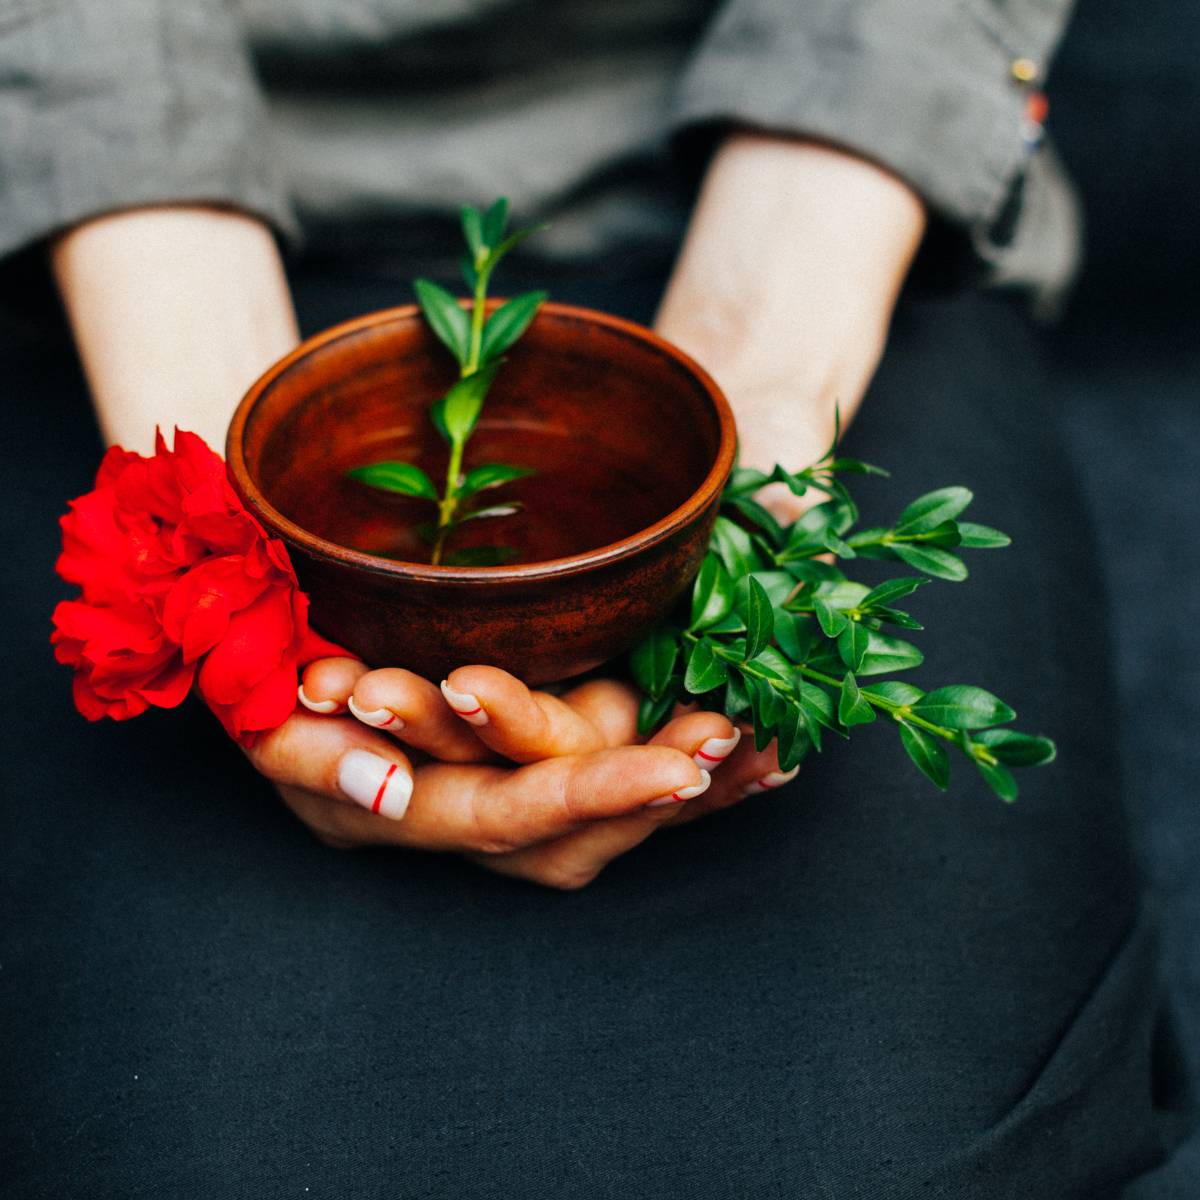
x=179 y=585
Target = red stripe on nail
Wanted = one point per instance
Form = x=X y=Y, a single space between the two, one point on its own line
x=388 y=721
x=713 y=757
x=383 y=788
x=762 y=783
x=468 y=712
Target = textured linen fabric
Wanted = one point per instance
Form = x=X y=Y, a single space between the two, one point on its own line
x=375 y=114
x=856 y=988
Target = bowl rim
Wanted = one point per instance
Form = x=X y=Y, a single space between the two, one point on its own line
x=601 y=556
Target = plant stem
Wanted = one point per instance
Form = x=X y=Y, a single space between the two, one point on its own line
x=901 y=712
x=448 y=505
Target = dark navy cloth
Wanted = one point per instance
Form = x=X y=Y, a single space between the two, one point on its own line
x=854 y=987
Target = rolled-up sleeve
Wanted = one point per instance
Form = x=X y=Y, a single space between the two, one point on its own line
x=934 y=90
x=110 y=104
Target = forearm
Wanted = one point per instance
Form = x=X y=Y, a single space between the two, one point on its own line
x=175 y=312
x=786 y=282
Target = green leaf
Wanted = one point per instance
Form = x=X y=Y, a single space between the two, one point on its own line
x=437 y=414
x=760 y=620
x=1000 y=780
x=852 y=708
x=945 y=534
x=1017 y=749
x=931 y=560
x=467 y=267
x=960 y=706
x=832 y=620
x=492 y=510
x=774 y=664
x=767 y=706
x=732 y=544
x=705 y=670
x=652 y=712
x=895 y=690
x=402 y=478
x=653 y=659
x=928 y=753
x=857 y=466
x=494 y=221
x=480 y=556
x=508 y=322
x=982 y=537
x=464 y=402
x=895 y=617
x=745 y=479
x=513 y=239
x=852 y=644
x=712 y=593
x=490 y=475
x=472 y=227
x=835 y=545
x=808 y=571
x=729 y=623
x=793 y=635
x=737 y=695
x=792 y=735
x=760 y=517
x=446 y=317
x=886 y=654
x=932 y=509
x=893 y=589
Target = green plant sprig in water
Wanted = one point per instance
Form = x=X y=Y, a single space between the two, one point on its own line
x=478 y=343
x=781 y=637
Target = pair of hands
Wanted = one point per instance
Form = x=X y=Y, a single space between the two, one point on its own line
x=548 y=788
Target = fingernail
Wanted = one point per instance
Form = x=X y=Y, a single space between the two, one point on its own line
x=377 y=718
x=379 y=785
x=317 y=706
x=466 y=705
x=683 y=793
x=716 y=750
x=769 y=782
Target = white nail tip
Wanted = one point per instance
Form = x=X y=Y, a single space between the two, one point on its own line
x=683 y=794
x=716 y=750
x=377 y=718
x=317 y=706
x=465 y=705
x=771 y=781
x=375 y=783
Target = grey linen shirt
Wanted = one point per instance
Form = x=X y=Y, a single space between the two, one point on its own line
x=355 y=123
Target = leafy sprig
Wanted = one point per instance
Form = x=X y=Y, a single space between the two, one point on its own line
x=779 y=635
x=478 y=343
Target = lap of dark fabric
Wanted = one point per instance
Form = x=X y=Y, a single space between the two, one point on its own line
x=855 y=987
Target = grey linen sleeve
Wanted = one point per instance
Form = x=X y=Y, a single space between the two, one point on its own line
x=109 y=104
x=926 y=88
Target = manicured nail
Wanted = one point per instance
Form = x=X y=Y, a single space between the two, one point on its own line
x=466 y=705
x=716 y=750
x=317 y=706
x=683 y=793
x=377 y=718
x=381 y=786
x=769 y=782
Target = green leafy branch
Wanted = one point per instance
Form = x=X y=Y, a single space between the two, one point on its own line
x=478 y=343
x=779 y=635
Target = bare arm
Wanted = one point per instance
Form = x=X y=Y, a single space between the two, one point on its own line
x=786 y=283
x=175 y=311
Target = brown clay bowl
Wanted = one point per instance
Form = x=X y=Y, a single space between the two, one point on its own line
x=631 y=443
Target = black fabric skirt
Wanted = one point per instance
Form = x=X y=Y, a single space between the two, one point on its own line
x=853 y=987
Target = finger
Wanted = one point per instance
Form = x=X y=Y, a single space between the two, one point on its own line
x=326 y=684
x=570 y=862
x=747 y=772
x=495 y=810
x=611 y=707
x=521 y=725
x=411 y=708
x=339 y=759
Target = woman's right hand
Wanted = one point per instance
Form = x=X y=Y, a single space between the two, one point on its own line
x=547 y=788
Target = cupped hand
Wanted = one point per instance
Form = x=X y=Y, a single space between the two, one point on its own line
x=547 y=788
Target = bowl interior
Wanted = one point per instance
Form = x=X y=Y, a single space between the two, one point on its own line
x=618 y=430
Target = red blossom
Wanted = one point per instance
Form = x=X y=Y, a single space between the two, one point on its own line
x=179 y=584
